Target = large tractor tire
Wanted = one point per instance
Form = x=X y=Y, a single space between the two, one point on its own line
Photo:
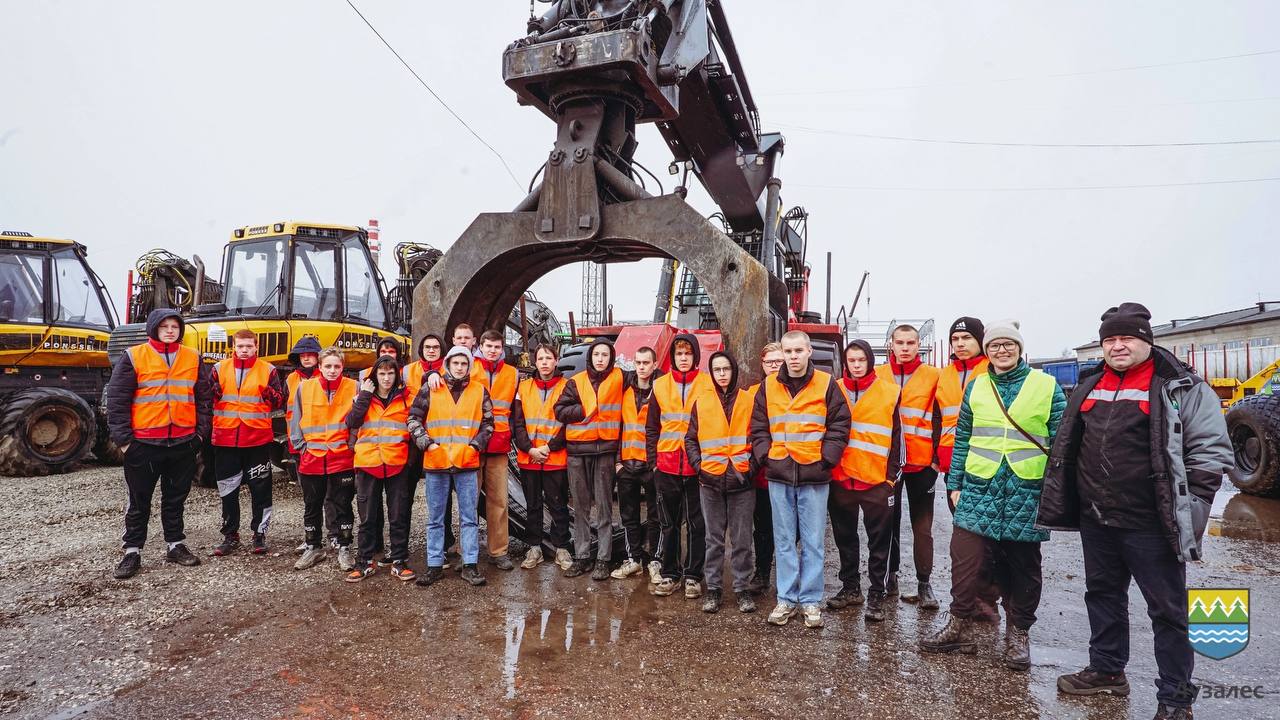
x=1254 y=427
x=44 y=431
x=104 y=448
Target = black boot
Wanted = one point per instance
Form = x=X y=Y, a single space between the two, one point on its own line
x=926 y=597
x=846 y=597
x=578 y=567
x=1091 y=682
x=601 y=571
x=181 y=555
x=432 y=575
x=129 y=566
x=259 y=544
x=229 y=544
x=1168 y=712
x=955 y=636
x=711 y=600
x=875 y=607
x=1017 y=648
x=472 y=575
x=891 y=586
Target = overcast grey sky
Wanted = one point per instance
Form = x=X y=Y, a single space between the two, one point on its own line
x=132 y=125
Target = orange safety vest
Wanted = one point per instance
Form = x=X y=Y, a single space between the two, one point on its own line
x=502 y=392
x=918 y=391
x=675 y=405
x=797 y=424
x=866 y=458
x=951 y=387
x=452 y=426
x=164 y=403
x=725 y=440
x=633 y=427
x=538 y=406
x=324 y=422
x=414 y=376
x=602 y=411
x=241 y=418
x=383 y=439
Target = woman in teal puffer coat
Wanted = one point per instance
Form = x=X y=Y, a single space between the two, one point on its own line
x=995 y=481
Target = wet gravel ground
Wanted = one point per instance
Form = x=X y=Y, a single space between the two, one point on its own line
x=247 y=636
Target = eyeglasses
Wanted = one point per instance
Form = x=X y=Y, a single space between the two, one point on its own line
x=1002 y=347
x=772 y=362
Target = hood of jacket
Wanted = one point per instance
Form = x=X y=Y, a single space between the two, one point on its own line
x=592 y=374
x=394 y=364
x=865 y=347
x=430 y=336
x=159 y=315
x=458 y=351
x=726 y=392
x=305 y=344
x=697 y=357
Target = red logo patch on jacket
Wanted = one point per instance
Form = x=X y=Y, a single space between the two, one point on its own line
x=1134 y=386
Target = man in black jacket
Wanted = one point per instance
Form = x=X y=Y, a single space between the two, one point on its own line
x=1134 y=467
x=160 y=414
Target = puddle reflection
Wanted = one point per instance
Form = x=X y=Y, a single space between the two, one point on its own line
x=1247 y=517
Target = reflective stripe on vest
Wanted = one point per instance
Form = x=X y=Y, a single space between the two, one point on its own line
x=602 y=411
x=324 y=420
x=453 y=425
x=634 y=422
x=995 y=439
x=166 y=395
x=538 y=406
x=675 y=405
x=383 y=438
x=797 y=424
x=917 y=393
x=502 y=392
x=951 y=386
x=242 y=404
x=723 y=441
x=866 y=457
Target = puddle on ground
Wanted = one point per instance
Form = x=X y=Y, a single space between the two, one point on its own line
x=1245 y=517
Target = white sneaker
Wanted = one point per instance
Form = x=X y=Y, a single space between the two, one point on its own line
x=301 y=548
x=781 y=614
x=346 y=558
x=533 y=559
x=310 y=557
x=692 y=588
x=812 y=616
x=563 y=559
x=629 y=567
x=655 y=572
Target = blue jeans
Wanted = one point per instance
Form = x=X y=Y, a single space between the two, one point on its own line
x=436 y=489
x=799 y=515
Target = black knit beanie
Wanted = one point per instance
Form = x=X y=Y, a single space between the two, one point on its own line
x=1129 y=318
x=971 y=325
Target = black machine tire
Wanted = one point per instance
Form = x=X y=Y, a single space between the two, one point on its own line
x=44 y=431
x=104 y=448
x=204 y=467
x=826 y=356
x=518 y=518
x=1253 y=424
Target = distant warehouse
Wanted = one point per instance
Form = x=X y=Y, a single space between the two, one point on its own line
x=1236 y=343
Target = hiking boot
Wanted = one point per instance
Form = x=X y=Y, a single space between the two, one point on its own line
x=874 y=611
x=655 y=572
x=891 y=586
x=925 y=596
x=432 y=575
x=310 y=557
x=759 y=583
x=746 y=603
x=129 y=566
x=181 y=555
x=578 y=567
x=711 y=601
x=563 y=558
x=1017 y=649
x=362 y=572
x=401 y=571
x=955 y=636
x=601 y=571
x=259 y=544
x=532 y=559
x=1169 y=712
x=629 y=567
x=472 y=575
x=666 y=587
x=229 y=544
x=812 y=616
x=782 y=612
x=346 y=557
x=692 y=588
x=1091 y=682
x=502 y=562
x=845 y=598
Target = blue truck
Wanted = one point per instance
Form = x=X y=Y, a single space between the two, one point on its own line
x=1066 y=371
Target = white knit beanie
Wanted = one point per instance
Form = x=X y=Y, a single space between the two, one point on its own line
x=1003 y=330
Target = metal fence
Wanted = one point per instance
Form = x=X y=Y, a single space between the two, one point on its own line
x=1240 y=363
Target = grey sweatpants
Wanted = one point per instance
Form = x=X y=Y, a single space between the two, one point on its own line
x=731 y=513
x=591 y=485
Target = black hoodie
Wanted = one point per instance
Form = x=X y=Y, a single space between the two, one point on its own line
x=569 y=407
x=124 y=384
x=732 y=480
x=677 y=462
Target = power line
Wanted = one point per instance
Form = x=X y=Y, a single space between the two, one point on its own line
x=946 y=141
x=439 y=99
x=1042 y=188
x=1077 y=73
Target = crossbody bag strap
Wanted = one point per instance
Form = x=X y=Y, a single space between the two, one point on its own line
x=1015 y=424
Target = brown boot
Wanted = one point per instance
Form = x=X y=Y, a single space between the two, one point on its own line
x=955 y=636
x=1017 y=648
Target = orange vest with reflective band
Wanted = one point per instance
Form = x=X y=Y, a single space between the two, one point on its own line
x=502 y=392
x=291 y=383
x=916 y=410
x=724 y=441
x=241 y=418
x=324 y=422
x=633 y=426
x=164 y=404
x=797 y=424
x=866 y=457
x=951 y=387
x=675 y=403
x=602 y=410
x=383 y=439
x=538 y=406
x=414 y=376
x=452 y=426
